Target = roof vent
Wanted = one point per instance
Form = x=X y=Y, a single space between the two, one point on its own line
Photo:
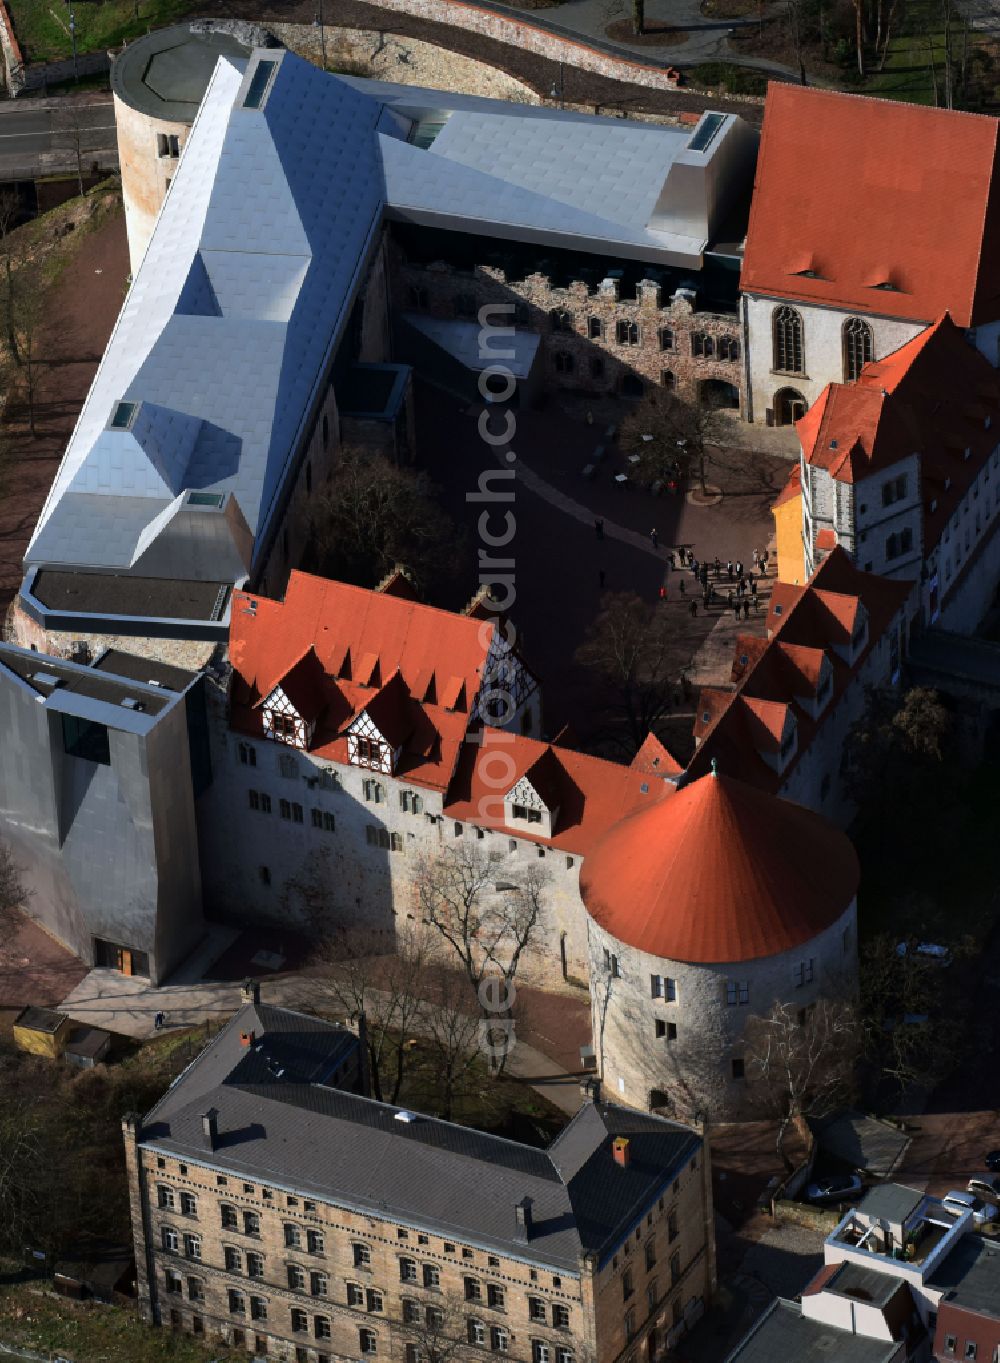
x=130 y=703
x=522 y=1218
x=620 y=1151
x=405 y=1116
x=48 y=680
x=210 y=1127
x=833 y=444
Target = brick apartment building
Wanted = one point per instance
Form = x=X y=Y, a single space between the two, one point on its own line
x=279 y=1209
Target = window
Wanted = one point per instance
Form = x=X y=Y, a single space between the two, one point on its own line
x=857 y=341
x=196 y=1289
x=367 y=1342
x=374 y=790
x=410 y=802
x=561 y=320
x=738 y=1069
x=476 y=1332
x=728 y=348
x=894 y=490
x=362 y=1256
x=255 y=1264
x=787 y=335
x=296 y=1278
x=411 y=1311
x=536 y=1309
x=189 y=1204
x=315 y=1242
x=407 y=1271
x=356 y=1295
x=192 y=1246
x=248 y=755
x=321 y=1328
x=672 y=1231
x=560 y=1317
x=283 y=727
x=803 y=973
x=319 y=1284
x=174 y=1281
x=563 y=362
x=564 y=1355
x=596 y=367
x=540 y=1352
x=171 y=1240
x=630 y=1324
x=627 y=333
x=499 y=1339
x=300 y=1320
x=258 y=1308
x=434 y=1318
x=473 y=1289
x=595 y=328
x=233 y=1259
x=237 y=1303
x=611 y=964
x=374 y=1300
x=950 y=1342
x=293 y=1236
x=666 y=339
x=432 y=1276
x=737 y=992
x=702 y=345
x=628 y=1286
x=251 y=1223
x=652 y=1294
x=495 y=1296
x=970 y=1348
x=659 y=1028
x=650 y=1254
x=164 y=1196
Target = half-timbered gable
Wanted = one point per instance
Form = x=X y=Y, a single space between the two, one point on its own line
x=507 y=690
x=366 y=747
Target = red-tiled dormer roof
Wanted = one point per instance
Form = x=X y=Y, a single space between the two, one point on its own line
x=719 y=873
x=896 y=181
x=346 y=650
x=807 y=624
x=931 y=398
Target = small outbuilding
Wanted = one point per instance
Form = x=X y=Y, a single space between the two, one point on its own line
x=42 y=1031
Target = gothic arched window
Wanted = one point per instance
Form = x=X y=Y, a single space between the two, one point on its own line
x=858 y=347
x=788 y=356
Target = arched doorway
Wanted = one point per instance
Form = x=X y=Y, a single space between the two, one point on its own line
x=718 y=393
x=789 y=406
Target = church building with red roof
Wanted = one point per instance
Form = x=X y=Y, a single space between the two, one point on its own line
x=846 y=266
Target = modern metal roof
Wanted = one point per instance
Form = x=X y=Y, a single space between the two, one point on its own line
x=119 y=701
x=890 y=1202
x=217 y=360
x=165 y=74
x=278 y=1122
x=784 y=1333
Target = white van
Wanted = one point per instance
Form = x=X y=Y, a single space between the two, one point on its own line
x=959 y=1202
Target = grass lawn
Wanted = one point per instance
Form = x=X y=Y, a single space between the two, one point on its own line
x=42 y=26
x=37 y=1320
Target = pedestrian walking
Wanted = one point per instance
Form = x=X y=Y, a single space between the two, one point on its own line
x=731 y=598
x=654 y=538
x=739 y=567
x=729 y=569
x=763 y=561
x=704 y=575
x=670 y=560
x=756 y=557
x=683 y=589
x=718 y=566
x=601 y=578
x=663 y=593
x=736 y=609
x=693 y=608
x=599 y=529
x=694 y=567
x=158 y=1021
x=753 y=589
x=746 y=608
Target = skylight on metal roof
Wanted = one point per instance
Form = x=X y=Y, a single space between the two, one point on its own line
x=123 y=415
x=706 y=132
x=259 y=82
x=425 y=130
x=212 y=499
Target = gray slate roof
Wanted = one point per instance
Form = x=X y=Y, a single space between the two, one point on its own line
x=970 y=1276
x=783 y=1333
x=890 y=1202
x=291 y=1130
x=227 y=333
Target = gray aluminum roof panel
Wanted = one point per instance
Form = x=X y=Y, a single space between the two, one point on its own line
x=970 y=1275
x=784 y=1333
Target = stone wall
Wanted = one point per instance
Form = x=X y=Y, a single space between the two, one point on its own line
x=404 y=61
x=692 y=1068
x=514 y=29
x=146 y=174
x=20 y=629
x=823 y=351
x=572 y=358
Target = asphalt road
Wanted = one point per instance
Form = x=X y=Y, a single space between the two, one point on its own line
x=38 y=137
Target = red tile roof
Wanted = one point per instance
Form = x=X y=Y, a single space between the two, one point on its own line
x=807 y=624
x=590 y=793
x=418 y=667
x=897 y=180
x=826 y=538
x=930 y=397
x=719 y=873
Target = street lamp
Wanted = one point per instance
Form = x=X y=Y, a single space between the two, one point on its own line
x=72 y=38
x=322 y=32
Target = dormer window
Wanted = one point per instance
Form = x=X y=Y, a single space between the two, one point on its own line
x=123 y=416
x=259 y=85
x=527 y=814
x=369 y=752
x=284 y=727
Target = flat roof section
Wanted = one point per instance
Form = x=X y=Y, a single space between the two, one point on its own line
x=970 y=1276
x=50 y=676
x=147 y=670
x=117 y=594
x=165 y=74
x=783 y=1332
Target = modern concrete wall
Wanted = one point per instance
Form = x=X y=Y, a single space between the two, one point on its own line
x=694 y=1070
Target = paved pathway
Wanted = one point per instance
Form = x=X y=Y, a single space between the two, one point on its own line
x=128 y=1005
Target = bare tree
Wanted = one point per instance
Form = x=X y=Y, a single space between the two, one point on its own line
x=9 y=210
x=800 y=1062
x=629 y=649
x=24 y=308
x=486 y=910
x=435 y=1332
x=452 y=1034
x=25 y=1177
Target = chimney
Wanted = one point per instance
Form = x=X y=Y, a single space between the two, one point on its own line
x=522 y=1215
x=210 y=1127
x=250 y=991
x=620 y=1151
x=246 y=1038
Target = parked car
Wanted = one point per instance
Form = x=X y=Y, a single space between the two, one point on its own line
x=834 y=1189
x=931 y=951
x=992 y=1160
x=958 y=1202
x=984 y=1186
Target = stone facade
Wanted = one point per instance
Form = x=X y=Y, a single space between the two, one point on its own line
x=822 y=354
x=289 y=1275
x=148 y=153
x=402 y=60
x=868 y=526
x=520 y=32
x=593 y=339
x=675 y=1053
